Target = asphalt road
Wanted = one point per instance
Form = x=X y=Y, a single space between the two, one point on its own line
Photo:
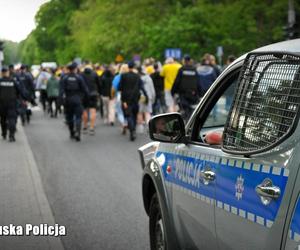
x=94 y=186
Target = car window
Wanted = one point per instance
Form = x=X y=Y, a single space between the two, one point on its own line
x=219 y=109
x=266 y=105
x=218 y=115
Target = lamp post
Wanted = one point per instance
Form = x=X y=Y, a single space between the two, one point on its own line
x=1 y=53
x=291 y=31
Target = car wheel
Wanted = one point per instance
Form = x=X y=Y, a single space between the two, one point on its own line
x=156 y=226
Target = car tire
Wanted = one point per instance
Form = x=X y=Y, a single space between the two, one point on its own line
x=156 y=226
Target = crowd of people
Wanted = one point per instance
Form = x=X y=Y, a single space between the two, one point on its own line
x=130 y=92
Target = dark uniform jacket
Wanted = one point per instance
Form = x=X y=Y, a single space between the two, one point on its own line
x=26 y=81
x=130 y=87
x=187 y=84
x=10 y=91
x=73 y=88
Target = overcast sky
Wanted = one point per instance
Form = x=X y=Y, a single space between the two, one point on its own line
x=17 y=18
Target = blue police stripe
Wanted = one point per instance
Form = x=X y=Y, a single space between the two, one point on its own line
x=185 y=174
x=225 y=189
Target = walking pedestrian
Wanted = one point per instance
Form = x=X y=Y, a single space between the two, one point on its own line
x=26 y=80
x=90 y=103
x=72 y=88
x=9 y=91
x=130 y=87
x=159 y=105
x=53 y=93
x=107 y=98
x=169 y=72
x=187 y=85
x=207 y=73
x=116 y=82
x=145 y=105
x=41 y=86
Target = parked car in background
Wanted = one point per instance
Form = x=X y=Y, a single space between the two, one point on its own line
x=35 y=70
x=50 y=65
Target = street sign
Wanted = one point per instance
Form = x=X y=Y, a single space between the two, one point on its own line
x=220 y=51
x=173 y=52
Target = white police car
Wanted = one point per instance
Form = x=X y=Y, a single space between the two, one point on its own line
x=240 y=192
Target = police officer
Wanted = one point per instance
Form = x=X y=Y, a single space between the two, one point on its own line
x=26 y=80
x=131 y=87
x=187 y=86
x=9 y=92
x=12 y=73
x=72 y=89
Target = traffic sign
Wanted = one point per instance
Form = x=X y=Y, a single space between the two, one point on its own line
x=173 y=52
x=220 y=51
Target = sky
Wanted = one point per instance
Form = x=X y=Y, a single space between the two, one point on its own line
x=17 y=18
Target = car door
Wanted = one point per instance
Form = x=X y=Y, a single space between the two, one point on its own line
x=192 y=176
x=253 y=186
x=193 y=195
x=291 y=235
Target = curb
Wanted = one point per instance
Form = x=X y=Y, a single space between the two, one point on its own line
x=44 y=206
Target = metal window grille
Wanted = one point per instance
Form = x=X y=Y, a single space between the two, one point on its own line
x=266 y=103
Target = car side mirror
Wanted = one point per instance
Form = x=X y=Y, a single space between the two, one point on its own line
x=167 y=128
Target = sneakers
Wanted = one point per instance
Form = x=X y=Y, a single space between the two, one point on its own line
x=84 y=130
x=140 y=128
x=124 y=130
x=92 y=131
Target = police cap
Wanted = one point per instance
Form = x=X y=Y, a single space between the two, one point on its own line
x=187 y=57
x=23 y=66
x=72 y=66
x=131 y=64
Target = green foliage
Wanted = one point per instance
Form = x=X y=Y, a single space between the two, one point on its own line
x=50 y=41
x=98 y=30
x=11 y=52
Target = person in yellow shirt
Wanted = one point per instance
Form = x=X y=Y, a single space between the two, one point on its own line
x=99 y=70
x=148 y=64
x=169 y=73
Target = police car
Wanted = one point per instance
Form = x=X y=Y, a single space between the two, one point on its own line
x=229 y=178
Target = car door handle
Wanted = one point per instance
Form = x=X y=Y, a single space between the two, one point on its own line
x=208 y=175
x=267 y=191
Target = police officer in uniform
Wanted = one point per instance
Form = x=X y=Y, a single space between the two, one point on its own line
x=9 y=93
x=187 y=86
x=73 y=89
x=26 y=80
x=131 y=86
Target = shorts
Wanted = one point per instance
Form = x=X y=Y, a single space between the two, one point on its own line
x=169 y=99
x=90 y=103
x=145 y=108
